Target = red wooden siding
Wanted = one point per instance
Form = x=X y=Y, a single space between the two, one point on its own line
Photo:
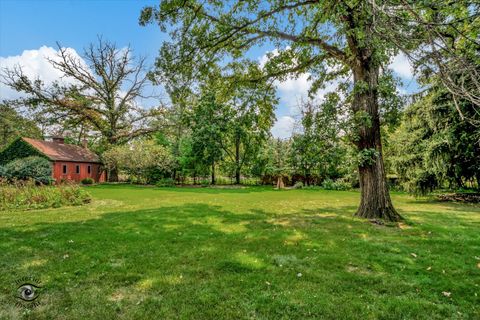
x=96 y=171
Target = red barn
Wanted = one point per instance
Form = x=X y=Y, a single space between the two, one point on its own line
x=69 y=162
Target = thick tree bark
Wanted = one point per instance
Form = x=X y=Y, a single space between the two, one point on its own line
x=375 y=201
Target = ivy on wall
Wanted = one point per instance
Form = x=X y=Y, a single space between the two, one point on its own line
x=19 y=149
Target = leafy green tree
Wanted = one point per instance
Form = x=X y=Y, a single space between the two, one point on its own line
x=271 y=162
x=434 y=146
x=317 y=148
x=14 y=125
x=182 y=99
x=189 y=163
x=328 y=39
x=250 y=116
x=143 y=160
x=209 y=125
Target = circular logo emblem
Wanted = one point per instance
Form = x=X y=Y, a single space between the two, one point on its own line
x=27 y=292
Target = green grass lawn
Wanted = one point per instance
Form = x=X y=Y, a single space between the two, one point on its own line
x=255 y=253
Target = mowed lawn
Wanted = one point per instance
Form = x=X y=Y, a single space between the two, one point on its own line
x=253 y=253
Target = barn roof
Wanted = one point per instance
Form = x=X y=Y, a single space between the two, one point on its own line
x=63 y=152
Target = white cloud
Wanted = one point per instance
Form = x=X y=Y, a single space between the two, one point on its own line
x=291 y=92
x=34 y=64
x=401 y=66
x=283 y=128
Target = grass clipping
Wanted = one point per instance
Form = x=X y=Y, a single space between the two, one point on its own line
x=29 y=195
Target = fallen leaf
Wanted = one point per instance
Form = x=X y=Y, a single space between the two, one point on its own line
x=446 y=293
x=267 y=283
x=429 y=268
x=478 y=265
x=403 y=226
x=413 y=255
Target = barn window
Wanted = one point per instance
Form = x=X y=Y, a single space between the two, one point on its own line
x=64 y=169
x=89 y=169
x=77 y=169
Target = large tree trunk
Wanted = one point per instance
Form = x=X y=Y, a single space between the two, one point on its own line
x=237 y=161
x=113 y=175
x=280 y=184
x=375 y=201
x=307 y=177
x=213 y=172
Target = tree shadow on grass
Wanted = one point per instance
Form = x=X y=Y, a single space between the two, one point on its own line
x=200 y=261
x=197 y=189
x=189 y=251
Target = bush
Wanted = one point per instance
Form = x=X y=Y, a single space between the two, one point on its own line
x=421 y=183
x=29 y=195
x=87 y=181
x=165 y=182
x=3 y=172
x=29 y=168
x=298 y=185
x=329 y=184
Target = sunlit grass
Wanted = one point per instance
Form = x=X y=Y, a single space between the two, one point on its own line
x=253 y=253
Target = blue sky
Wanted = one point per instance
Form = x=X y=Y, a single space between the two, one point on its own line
x=32 y=25
x=27 y=24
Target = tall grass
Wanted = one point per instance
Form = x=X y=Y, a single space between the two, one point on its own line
x=28 y=195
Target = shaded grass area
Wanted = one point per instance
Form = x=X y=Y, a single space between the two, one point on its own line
x=254 y=253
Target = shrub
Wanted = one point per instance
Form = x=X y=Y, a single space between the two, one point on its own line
x=421 y=183
x=34 y=168
x=3 y=172
x=87 y=181
x=165 y=182
x=28 y=195
x=329 y=184
x=298 y=185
